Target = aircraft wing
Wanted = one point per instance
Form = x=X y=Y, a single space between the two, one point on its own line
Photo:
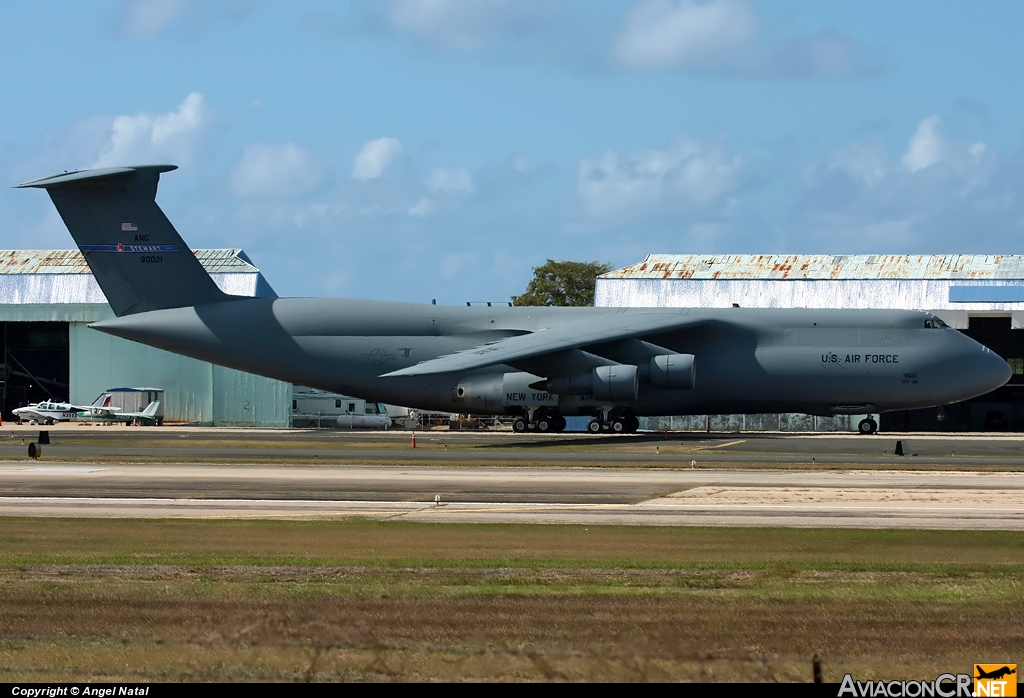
x=572 y=335
x=94 y=410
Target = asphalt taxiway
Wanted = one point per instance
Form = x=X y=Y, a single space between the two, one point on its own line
x=966 y=482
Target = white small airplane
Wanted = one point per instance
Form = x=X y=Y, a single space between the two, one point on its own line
x=47 y=412
x=51 y=411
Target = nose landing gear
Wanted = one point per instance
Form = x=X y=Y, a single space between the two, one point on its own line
x=867 y=426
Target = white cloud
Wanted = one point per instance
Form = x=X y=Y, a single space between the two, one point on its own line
x=450 y=181
x=865 y=161
x=149 y=137
x=687 y=175
x=283 y=170
x=453 y=263
x=940 y=195
x=143 y=18
x=927 y=146
x=727 y=37
x=465 y=24
x=374 y=158
x=663 y=34
x=423 y=207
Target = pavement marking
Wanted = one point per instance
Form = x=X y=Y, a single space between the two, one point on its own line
x=53 y=469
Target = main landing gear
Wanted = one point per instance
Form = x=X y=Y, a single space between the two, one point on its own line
x=544 y=423
x=615 y=423
x=867 y=426
x=553 y=423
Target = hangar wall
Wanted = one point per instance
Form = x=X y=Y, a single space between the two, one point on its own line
x=56 y=286
x=245 y=399
x=194 y=391
x=981 y=295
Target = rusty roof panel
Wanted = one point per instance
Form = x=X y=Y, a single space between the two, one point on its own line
x=836 y=267
x=72 y=262
x=903 y=294
x=63 y=277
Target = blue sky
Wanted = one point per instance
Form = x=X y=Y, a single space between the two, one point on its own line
x=418 y=149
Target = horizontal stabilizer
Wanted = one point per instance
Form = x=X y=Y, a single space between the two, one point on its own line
x=80 y=176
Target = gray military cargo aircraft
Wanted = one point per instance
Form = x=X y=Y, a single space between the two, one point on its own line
x=536 y=364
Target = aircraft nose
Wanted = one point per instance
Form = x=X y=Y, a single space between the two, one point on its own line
x=970 y=369
x=991 y=370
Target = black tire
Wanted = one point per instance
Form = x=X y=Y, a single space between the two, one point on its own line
x=618 y=426
x=594 y=426
x=867 y=426
x=519 y=425
x=560 y=424
x=632 y=424
x=544 y=425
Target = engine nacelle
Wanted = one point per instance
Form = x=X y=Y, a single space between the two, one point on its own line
x=619 y=383
x=674 y=371
x=493 y=393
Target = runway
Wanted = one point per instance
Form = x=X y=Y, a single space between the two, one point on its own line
x=571 y=495
x=442 y=448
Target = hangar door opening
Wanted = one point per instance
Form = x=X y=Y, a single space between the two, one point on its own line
x=36 y=363
x=1000 y=410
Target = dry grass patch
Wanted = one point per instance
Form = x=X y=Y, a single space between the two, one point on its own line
x=229 y=600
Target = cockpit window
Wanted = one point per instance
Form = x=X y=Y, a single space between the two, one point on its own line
x=935 y=323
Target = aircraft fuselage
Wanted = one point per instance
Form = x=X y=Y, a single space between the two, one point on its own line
x=746 y=360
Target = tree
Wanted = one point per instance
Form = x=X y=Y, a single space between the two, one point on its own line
x=562 y=283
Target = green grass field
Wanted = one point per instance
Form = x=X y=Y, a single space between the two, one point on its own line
x=356 y=600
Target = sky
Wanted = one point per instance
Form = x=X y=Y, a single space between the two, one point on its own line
x=440 y=149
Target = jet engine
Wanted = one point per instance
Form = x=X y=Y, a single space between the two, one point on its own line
x=495 y=392
x=618 y=383
x=674 y=371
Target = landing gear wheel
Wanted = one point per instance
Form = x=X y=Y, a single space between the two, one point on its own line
x=594 y=426
x=559 y=425
x=618 y=425
x=519 y=425
x=632 y=424
x=544 y=425
x=867 y=426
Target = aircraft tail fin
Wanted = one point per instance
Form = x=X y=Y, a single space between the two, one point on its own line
x=138 y=258
x=151 y=409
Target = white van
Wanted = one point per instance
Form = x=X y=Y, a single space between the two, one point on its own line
x=321 y=410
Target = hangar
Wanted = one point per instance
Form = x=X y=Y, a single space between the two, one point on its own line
x=49 y=297
x=980 y=295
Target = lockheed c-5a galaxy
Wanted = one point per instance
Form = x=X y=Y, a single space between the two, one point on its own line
x=537 y=364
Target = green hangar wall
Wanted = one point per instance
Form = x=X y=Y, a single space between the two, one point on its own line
x=54 y=291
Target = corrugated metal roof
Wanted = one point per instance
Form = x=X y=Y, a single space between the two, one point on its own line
x=72 y=262
x=802 y=267
x=41 y=277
